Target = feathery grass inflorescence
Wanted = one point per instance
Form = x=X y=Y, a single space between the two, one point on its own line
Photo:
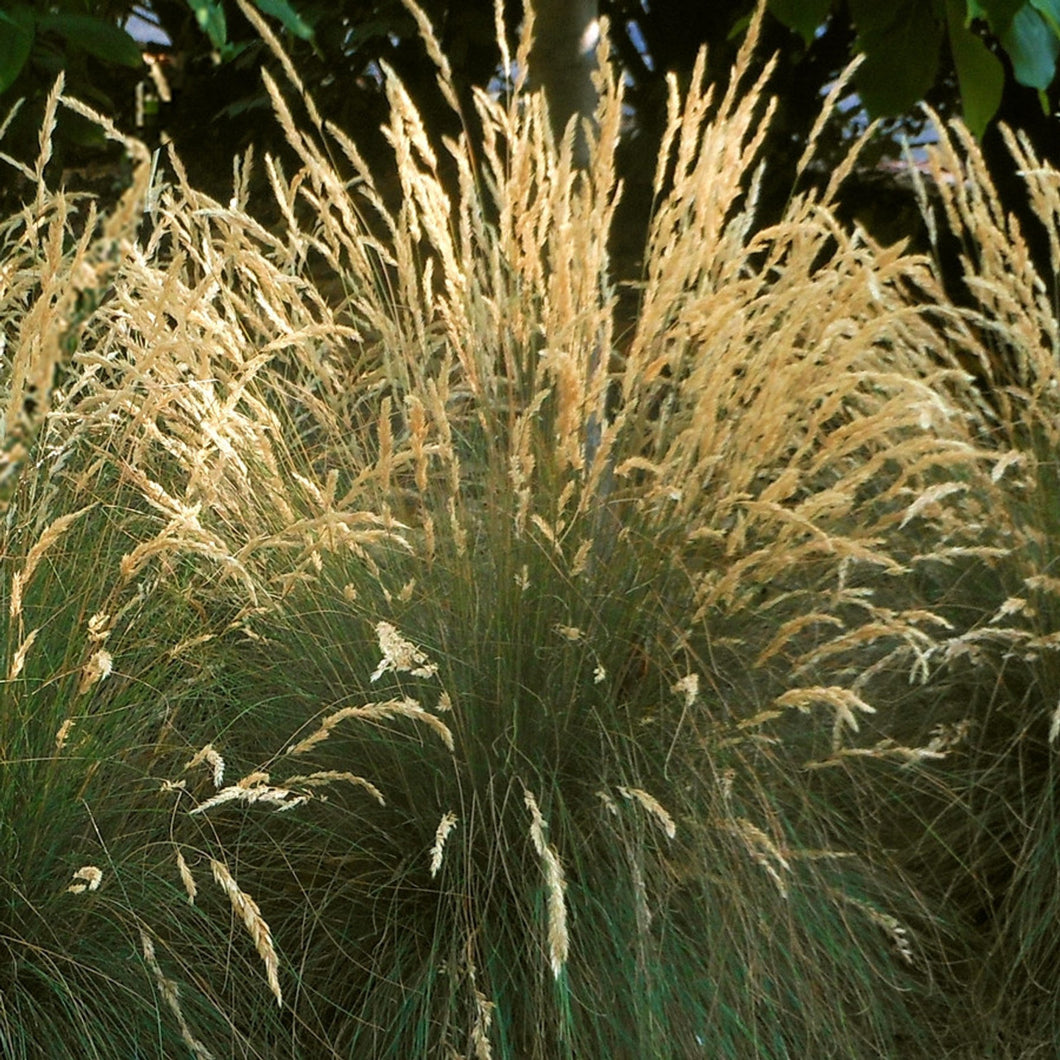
x=247 y=910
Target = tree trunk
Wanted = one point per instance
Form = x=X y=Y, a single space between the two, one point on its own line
x=562 y=60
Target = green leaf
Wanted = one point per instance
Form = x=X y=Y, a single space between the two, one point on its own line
x=980 y=75
x=101 y=39
x=901 y=42
x=243 y=106
x=1050 y=12
x=802 y=16
x=210 y=16
x=291 y=20
x=16 y=40
x=233 y=51
x=739 y=28
x=998 y=14
x=81 y=131
x=1033 y=47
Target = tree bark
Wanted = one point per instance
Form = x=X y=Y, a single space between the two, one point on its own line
x=562 y=61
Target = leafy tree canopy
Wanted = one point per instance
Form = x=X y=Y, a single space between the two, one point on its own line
x=980 y=55
x=904 y=43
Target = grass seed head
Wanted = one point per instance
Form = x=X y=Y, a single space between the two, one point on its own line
x=558 y=939
x=88 y=878
x=400 y=655
x=445 y=826
x=170 y=993
x=186 y=878
x=209 y=756
x=247 y=910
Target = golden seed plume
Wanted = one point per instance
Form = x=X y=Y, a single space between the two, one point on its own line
x=247 y=910
x=445 y=826
x=88 y=878
x=654 y=807
x=186 y=878
x=209 y=756
x=558 y=939
x=170 y=993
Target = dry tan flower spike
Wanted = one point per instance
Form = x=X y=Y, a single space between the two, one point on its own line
x=400 y=654
x=654 y=807
x=96 y=669
x=19 y=659
x=558 y=939
x=329 y=776
x=247 y=910
x=280 y=798
x=445 y=826
x=89 y=878
x=688 y=688
x=186 y=877
x=64 y=733
x=383 y=711
x=211 y=757
x=171 y=995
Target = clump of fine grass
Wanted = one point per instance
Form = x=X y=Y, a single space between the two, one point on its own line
x=537 y=678
x=92 y=696
x=779 y=443
x=110 y=664
x=1002 y=857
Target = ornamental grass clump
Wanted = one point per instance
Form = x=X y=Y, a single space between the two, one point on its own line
x=998 y=862
x=603 y=658
x=469 y=673
x=94 y=697
x=111 y=663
